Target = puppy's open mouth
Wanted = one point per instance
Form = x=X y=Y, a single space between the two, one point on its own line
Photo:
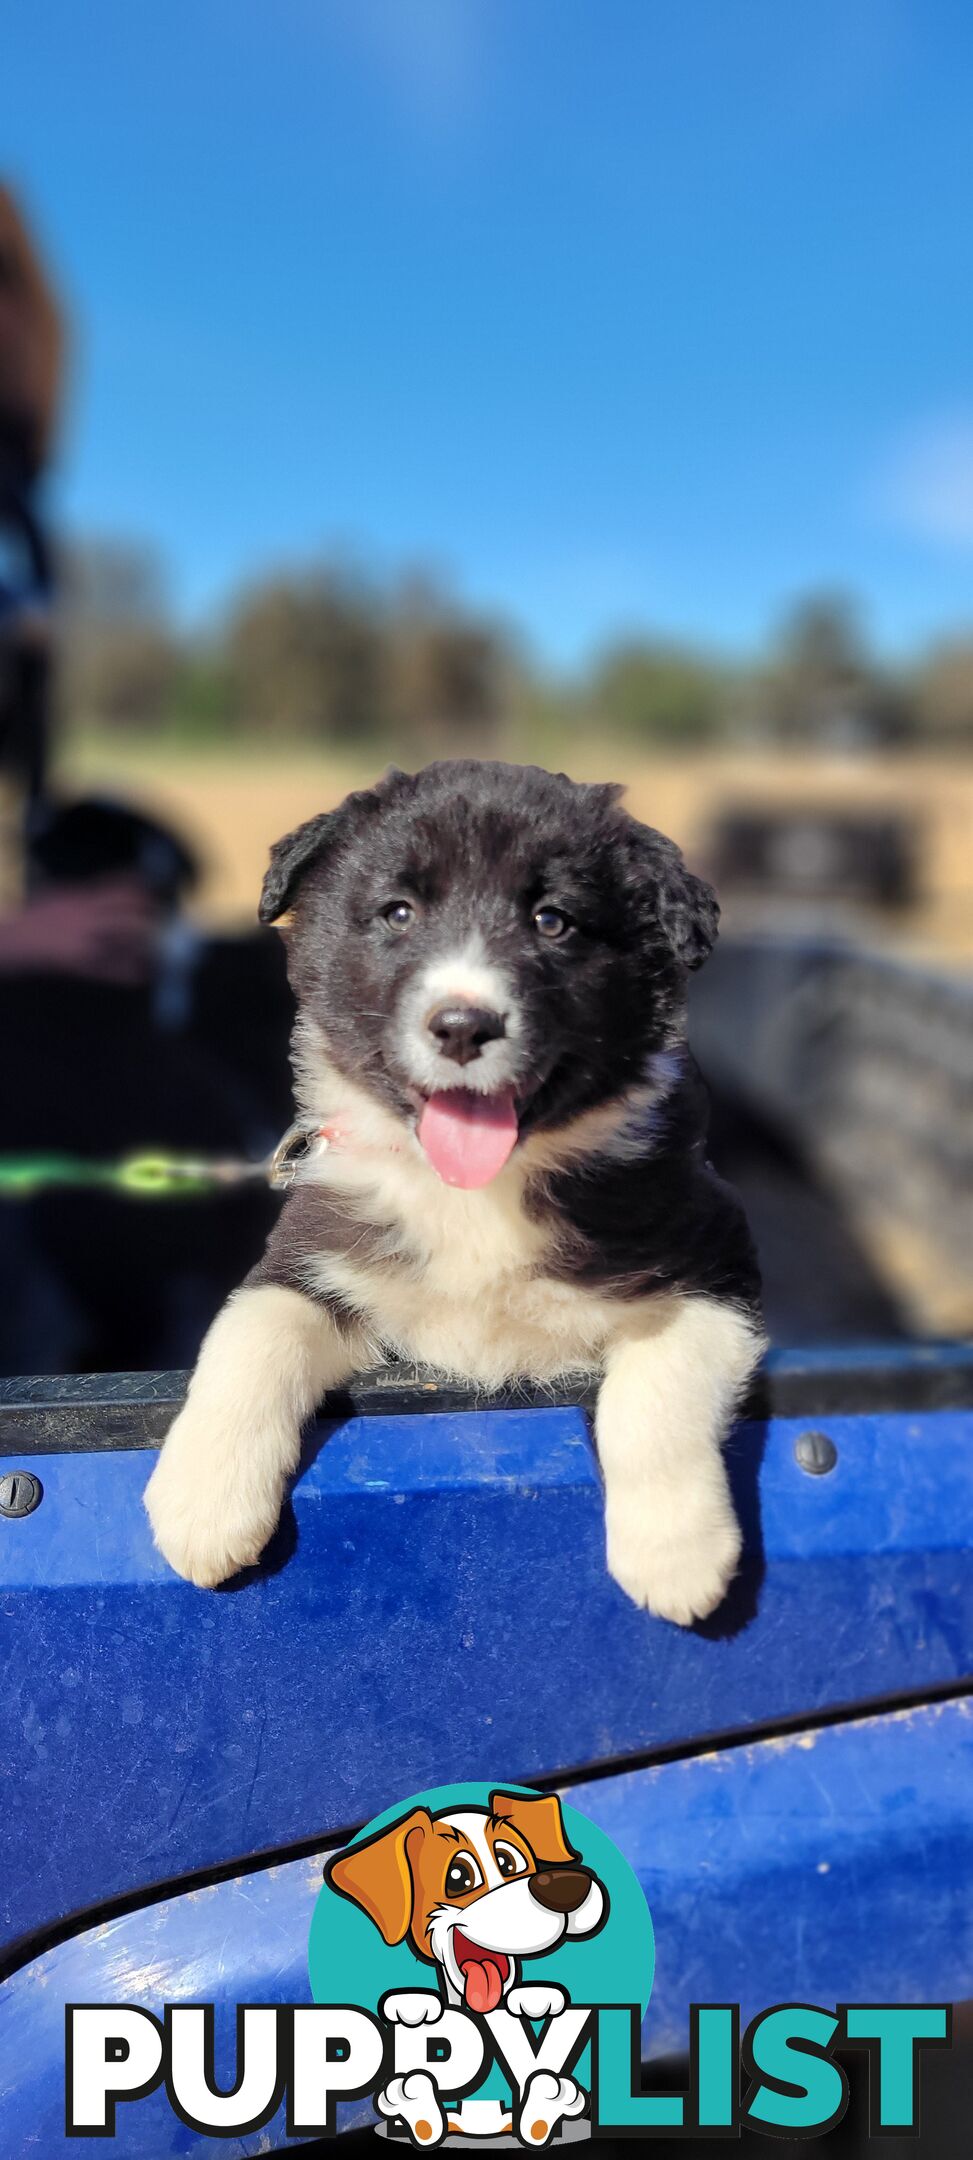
x=485 y=1973
x=468 y=1137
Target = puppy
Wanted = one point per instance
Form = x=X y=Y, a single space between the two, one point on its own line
x=490 y=963
x=476 y=1891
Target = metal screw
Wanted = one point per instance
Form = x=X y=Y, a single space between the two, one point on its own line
x=815 y=1452
x=20 y=1492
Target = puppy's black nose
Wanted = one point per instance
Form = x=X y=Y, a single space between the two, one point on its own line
x=462 y=1030
x=560 y=1889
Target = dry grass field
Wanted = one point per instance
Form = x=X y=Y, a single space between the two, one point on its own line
x=232 y=803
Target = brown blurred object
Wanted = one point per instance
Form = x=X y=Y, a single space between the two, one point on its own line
x=327 y=656
x=31 y=375
x=944 y=692
x=234 y=799
x=102 y=932
x=31 y=349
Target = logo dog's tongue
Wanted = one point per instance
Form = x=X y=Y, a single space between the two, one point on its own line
x=468 y=1137
x=483 y=1983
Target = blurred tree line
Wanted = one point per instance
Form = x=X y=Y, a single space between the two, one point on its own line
x=325 y=655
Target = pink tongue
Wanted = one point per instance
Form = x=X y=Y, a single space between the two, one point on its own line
x=484 y=1986
x=468 y=1137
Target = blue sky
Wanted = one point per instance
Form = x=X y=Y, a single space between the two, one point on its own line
x=620 y=312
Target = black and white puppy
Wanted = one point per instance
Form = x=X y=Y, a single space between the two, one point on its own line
x=490 y=963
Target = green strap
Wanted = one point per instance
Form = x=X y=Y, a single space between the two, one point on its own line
x=147 y=1176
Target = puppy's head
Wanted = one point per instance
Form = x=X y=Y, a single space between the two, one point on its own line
x=475 y=1889
x=490 y=949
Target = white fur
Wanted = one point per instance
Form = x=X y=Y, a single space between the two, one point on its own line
x=547 y=2100
x=585 y=1918
x=471 y=1825
x=416 y=2099
x=216 y=1493
x=536 y=2000
x=671 y=1385
x=480 y=2119
x=505 y=1916
x=464 y=977
x=470 y=974
x=413 y=2006
x=472 y=1293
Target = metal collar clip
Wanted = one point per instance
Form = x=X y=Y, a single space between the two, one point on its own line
x=292 y=1154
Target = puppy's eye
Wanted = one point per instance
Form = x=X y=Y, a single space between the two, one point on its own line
x=462 y=1875
x=509 y=1860
x=549 y=922
x=399 y=915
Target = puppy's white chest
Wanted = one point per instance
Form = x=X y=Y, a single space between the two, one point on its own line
x=468 y=1293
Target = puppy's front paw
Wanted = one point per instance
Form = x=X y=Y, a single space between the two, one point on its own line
x=548 y=2100
x=211 y=1512
x=536 y=2001
x=415 y=2099
x=679 y=1561
x=413 y=2006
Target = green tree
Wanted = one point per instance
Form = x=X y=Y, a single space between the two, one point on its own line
x=447 y=672
x=305 y=657
x=120 y=654
x=943 y=692
x=822 y=684
x=657 y=694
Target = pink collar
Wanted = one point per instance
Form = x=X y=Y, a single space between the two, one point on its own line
x=303 y=1143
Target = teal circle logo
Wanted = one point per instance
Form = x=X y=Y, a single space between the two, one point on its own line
x=491 y=1899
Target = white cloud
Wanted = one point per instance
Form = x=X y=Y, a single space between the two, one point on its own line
x=926 y=488
x=430 y=51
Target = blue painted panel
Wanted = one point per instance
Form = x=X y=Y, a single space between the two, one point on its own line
x=828 y=1866
x=428 y=1570
x=824 y=1867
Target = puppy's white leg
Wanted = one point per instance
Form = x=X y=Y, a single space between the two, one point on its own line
x=547 y=2100
x=415 y=2099
x=216 y=1493
x=412 y=2006
x=668 y=1395
x=536 y=2001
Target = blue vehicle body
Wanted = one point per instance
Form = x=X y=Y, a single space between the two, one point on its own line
x=793 y=1781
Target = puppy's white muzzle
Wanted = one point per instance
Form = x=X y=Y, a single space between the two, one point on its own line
x=465 y=977
x=511 y=1919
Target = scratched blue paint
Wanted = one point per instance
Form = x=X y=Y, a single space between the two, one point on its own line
x=825 y=1867
x=149 y=1730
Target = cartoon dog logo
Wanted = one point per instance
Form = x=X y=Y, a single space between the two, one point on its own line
x=476 y=1891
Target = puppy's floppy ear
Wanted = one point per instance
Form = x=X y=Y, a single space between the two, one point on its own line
x=538 y=1818
x=378 y=1875
x=294 y=854
x=687 y=908
x=602 y=794
x=290 y=857
x=689 y=912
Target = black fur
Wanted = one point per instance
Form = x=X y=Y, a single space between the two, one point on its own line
x=479 y=847
x=663 y=1220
